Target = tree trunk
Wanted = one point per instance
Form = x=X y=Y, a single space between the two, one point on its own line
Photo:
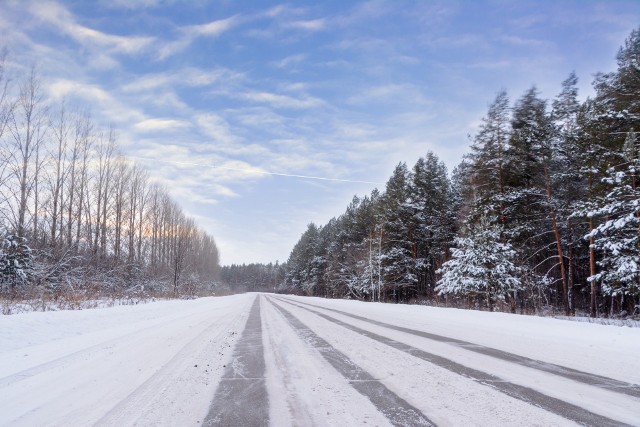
x=556 y=233
x=592 y=269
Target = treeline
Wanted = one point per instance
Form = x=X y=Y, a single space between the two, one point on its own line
x=80 y=219
x=252 y=277
x=542 y=214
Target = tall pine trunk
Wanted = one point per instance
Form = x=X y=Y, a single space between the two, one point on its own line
x=556 y=233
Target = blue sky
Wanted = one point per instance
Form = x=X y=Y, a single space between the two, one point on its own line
x=212 y=96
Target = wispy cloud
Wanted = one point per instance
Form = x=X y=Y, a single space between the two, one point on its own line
x=287 y=23
x=307 y=25
x=101 y=61
x=215 y=127
x=187 y=76
x=522 y=41
x=189 y=33
x=202 y=172
x=62 y=88
x=283 y=10
x=89 y=94
x=283 y=101
x=463 y=40
x=260 y=117
x=390 y=94
x=290 y=61
x=57 y=15
x=161 y=125
x=134 y=4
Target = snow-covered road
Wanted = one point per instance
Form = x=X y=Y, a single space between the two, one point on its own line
x=283 y=360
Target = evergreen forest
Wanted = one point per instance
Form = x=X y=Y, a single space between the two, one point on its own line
x=542 y=214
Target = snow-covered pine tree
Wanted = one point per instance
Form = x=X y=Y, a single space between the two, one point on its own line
x=604 y=123
x=618 y=236
x=16 y=261
x=398 y=238
x=531 y=222
x=568 y=183
x=488 y=156
x=302 y=274
x=348 y=252
x=434 y=224
x=481 y=264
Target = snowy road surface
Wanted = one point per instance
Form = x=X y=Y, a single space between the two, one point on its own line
x=282 y=360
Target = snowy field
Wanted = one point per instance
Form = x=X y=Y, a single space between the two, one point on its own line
x=282 y=360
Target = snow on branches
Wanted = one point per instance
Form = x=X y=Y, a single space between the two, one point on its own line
x=618 y=236
x=482 y=264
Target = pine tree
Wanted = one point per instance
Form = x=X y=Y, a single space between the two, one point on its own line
x=398 y=238
x=481 y=264
x=488 y=158
x=434 y=224
x=531 y=210
x=618 y=236
x=604 y=123
x=303 y=273
x=16 y=262
x=566 y=177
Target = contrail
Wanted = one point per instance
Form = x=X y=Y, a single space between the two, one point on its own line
x=255 y=171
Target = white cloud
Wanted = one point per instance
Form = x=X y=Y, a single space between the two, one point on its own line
x=58 y=16
x=191 y=167
x=351 y=130
x=522 y=41
x=215 y=127
x=100 y=61
x=204 y=171
x=110 y=107
x=157 y=124
x=461 y=40
x=133 y=4
x=290 y=60
x=211 y=29
x=148 y=82
x=190 y=33
x=283 y=101
x=281 y=10
x=61 y=88
x=308 y=25
x=260 y=117
x=188 y=76
x=192 y=189
x=390 y=94
x=236 y=169
x=286 y=18
x=294 y=87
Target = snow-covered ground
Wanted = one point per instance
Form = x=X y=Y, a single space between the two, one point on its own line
x=149 y=364
x=322 y=362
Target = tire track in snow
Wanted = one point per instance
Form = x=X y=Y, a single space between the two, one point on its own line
x=563 y=371
x=304 y=389
x=397 y=410
x=241 y=398
x=528 y=395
